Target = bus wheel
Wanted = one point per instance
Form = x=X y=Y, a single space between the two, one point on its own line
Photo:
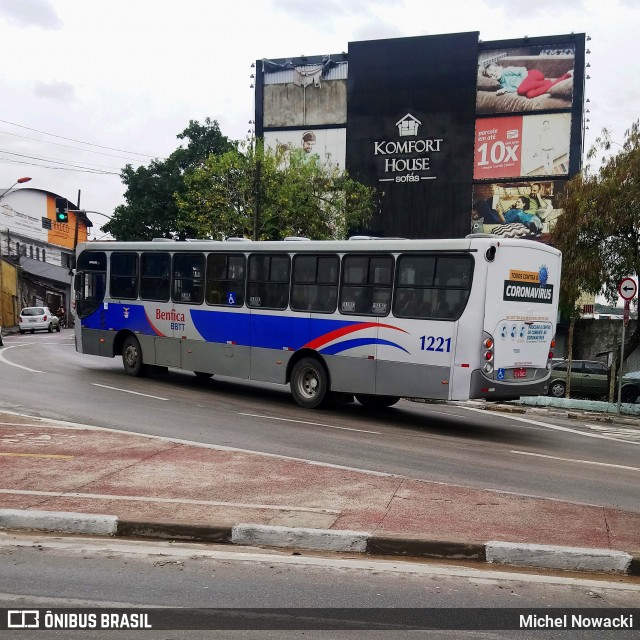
x=376 y=402
x=309 y=383
x=132 y=357
x=203 y=375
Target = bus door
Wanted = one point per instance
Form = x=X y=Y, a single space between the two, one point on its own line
x=522 y=292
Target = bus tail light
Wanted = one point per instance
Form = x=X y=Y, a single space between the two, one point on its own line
x=550 y=356
x=487 y=354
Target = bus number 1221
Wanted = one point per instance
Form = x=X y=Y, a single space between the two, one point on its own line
x=435 y=343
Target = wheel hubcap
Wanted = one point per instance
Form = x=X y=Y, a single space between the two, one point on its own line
x=309 y=384
x=131 y=356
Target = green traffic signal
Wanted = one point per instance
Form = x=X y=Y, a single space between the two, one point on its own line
x=62 y=215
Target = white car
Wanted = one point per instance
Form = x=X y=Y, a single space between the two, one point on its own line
x=38 y=318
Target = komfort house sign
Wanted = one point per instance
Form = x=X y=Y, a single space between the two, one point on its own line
x=405 y=158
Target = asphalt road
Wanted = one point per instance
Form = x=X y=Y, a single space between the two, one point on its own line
x=43 y=375
x=50 y=572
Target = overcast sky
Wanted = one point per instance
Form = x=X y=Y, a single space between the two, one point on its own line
x=130 y=74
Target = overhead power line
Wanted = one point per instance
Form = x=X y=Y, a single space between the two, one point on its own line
x=86 y=165
x=66 y=146
x=44 y=166
x=91 y=144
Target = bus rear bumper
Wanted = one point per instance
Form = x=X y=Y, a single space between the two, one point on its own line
x=482 y=387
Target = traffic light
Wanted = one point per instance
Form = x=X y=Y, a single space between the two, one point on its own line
x=62 y=214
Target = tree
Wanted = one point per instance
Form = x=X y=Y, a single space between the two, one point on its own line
x=599 y=231
x=151 y=210
x=271 y=194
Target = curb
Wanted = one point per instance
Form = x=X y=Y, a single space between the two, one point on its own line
x=492 y=552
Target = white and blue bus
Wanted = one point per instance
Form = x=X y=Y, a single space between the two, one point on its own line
x=378 y=319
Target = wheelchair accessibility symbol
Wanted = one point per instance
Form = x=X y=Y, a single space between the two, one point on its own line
x=231 y=298
x=500 y=374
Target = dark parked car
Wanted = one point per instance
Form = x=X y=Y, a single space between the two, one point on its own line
x=589 y=379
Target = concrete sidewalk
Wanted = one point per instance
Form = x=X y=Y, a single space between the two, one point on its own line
x=136 y=485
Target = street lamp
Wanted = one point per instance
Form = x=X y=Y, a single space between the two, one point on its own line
x=18 y=181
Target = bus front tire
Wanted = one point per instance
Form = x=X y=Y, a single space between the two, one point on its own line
x=309 y=383
x=132 y=358
x=376 y=402
x=203 y=375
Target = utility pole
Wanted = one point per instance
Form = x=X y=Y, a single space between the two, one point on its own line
x=75 y=235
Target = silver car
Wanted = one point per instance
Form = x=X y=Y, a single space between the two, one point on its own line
x=38 y=318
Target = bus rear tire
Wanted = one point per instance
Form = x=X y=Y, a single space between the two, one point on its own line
x=376 y=402
x=132 y=358
x=309 y=383
x=203 y=375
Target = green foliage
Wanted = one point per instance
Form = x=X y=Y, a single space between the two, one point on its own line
x=151 y=210
x=268 y=195
x=599 y=231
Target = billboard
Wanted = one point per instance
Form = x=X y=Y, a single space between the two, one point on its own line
x=436 y=123
x=327 y=145
x=517 y=209
x=528 y=133
x=522 y=145
x=526 y=78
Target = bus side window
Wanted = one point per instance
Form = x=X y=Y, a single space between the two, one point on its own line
x=315 y=283
x=225 y=279
x=268 y=285
x=155 y=272
x=123 y=282
x=188 y=278
x=366 y=285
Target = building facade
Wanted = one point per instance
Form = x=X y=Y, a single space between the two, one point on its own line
x=454 y=134
x=37 y=250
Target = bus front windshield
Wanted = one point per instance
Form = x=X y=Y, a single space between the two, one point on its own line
x=90 y=282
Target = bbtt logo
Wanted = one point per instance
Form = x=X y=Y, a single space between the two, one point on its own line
x=23 y=619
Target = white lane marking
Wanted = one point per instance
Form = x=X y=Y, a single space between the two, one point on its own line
x=211 y=503
x=13 y=364
x=136 y=393
x=600 y=464
x=553 y=427
x=145 y=548
x=315 y=424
